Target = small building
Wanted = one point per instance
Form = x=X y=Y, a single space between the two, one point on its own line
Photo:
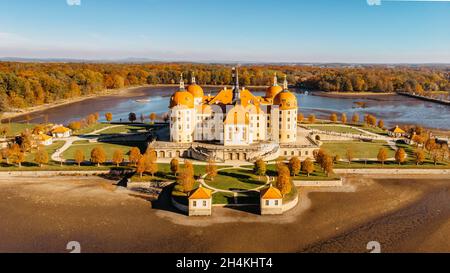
x=61 y=132
x=200 y=202
x=397 y=132
x=44 y=140
x=271 y=201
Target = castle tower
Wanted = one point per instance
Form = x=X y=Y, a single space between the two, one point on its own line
x=182 y=115
x=288 y=109
x=236 y=89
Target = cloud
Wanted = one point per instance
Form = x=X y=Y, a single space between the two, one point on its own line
x=74 y=2
x=374 y=2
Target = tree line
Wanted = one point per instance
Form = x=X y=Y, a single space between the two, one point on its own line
x=29 y=84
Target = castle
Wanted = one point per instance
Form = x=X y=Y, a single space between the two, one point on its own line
x=234 y=116
x=235 y=124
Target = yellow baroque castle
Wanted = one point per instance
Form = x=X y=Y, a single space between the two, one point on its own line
x=233 y=117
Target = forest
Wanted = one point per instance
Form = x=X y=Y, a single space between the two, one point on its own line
x=29 y=84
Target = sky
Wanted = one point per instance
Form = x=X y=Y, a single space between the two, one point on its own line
x=347 y=31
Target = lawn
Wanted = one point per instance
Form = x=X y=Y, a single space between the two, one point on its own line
x=92 y=128
x=236 y=179
x=69 y=154
x=51 y=149
x=360 y=149
x=17 y=128
x=336 y=128
x=318 y=174
x=123 y=129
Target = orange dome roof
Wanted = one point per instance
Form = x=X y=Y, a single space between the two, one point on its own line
x=182 y=98
x=196 y=90
x=286 y=100
x=273 y=91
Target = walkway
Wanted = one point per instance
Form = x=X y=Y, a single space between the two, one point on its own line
x=57 y=155
x=236 y=192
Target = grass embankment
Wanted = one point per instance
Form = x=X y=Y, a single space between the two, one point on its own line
x=123 y=129
x=336 y=129
x=359 y=149
x=236 y=179
x=317 y=175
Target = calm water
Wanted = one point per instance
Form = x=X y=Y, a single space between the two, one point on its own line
x=393 y=109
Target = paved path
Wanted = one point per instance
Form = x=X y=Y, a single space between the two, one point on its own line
x=57 y=155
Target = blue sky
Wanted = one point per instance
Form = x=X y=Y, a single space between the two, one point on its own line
x=228 y=30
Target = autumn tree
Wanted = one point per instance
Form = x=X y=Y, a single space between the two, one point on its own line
x=117 y=157
x=382 y=155
x=109 y=117
x=308 y=167
x=344 y=118
x=186 y=177
x=355 y=118
x=153 y=117
x=141 y=166
x=41 y=156
x=300 y=117
x=381 y=124
x=435 y=155
x=295 y=166
x=334 y=118
x=349 y=154
x=328 y=165
x=311 y=119
x=98 y=155
x=400 y=156
x=419 y=156
x=211 y=169
x=174 y=166
x=134 y=155
x=75 y=126
x=17 y=156
x=79 y=157
x=284 y=180
x=260 y=168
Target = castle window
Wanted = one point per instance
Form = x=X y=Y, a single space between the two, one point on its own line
x=204 y=203
x=267 y=202
x=194 y=204
x=276 y=202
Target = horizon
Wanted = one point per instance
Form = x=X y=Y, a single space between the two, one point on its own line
x=302 y=32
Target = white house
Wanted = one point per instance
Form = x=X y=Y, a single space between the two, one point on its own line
x=61 y=132
x=44 y=140
x=271 y=201
x=200 y=202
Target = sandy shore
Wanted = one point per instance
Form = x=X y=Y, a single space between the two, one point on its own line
x=406 y=214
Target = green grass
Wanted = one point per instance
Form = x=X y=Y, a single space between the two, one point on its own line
x=164 y=174
x=336 y=128
x=221 y=198
x=236 y=179
x=92 y=128
x=15 y=129
x=69 y=154
x=123 y=129
x=409 y=164
x=29 y=157
x=360 y=149
x=318 y=174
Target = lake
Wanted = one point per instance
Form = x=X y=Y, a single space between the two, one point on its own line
x=394 y=109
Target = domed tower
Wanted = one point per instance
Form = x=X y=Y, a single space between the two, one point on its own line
x=273 y=90
x=182 y=115
x=287 y=118
x=196 y=91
